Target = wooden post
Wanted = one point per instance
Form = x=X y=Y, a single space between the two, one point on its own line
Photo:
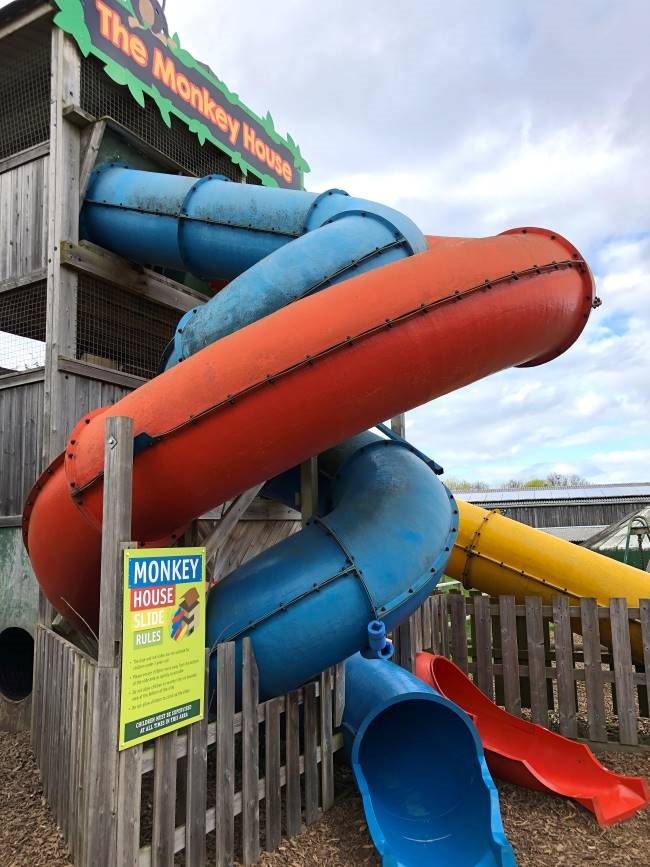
x=292 y=728
x=116 y=531
x=196 y=787
x=398 y=424
x=250 y=756
x=310 y=722
x=458 y=629
x=593 y=670
x=623 y=671
x=225 y=756
x=536 y=660
x=566 y=696
x=309 y=489
x=510 y=655
x=272 y=789
x=483 y=648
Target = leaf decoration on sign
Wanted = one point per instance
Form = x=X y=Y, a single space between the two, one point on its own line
x=165 y=106
x=201 y=130
x=71 y=20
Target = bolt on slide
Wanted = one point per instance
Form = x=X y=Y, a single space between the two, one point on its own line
x=339 y=313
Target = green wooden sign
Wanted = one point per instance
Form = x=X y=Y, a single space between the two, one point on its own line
x=138 y=52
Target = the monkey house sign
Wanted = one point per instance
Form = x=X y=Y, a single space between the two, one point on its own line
x=134 y=43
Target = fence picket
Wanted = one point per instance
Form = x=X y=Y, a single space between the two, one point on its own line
x=164 y=801
x=566 y=696
x=272 y=791
x=458 y=630
x=225 y=757
x=593 y=670
x=426 y=624
x=644 y=616
x=536 y=661
x=197 y=782
x=326 y=749
x=250 y=756
x=623 y=671
x=510 y=655
x=311 y=756
x=483 y=648
x=292 y=749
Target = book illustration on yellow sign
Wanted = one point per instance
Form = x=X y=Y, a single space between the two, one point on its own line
x=186 y=617
x=163 y=642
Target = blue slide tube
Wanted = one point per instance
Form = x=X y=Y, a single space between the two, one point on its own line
x=419 y=764
x=306 y=602
x=221 y=230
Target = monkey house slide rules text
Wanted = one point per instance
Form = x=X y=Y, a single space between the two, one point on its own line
x=163 y=642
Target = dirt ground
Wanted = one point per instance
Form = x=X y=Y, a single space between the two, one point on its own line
x=543 y=830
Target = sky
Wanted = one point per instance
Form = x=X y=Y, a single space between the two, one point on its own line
x=472 y=118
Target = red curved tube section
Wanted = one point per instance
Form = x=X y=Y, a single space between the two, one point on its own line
x=299 y=381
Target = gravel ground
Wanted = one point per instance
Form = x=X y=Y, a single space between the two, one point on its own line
x=544 y=830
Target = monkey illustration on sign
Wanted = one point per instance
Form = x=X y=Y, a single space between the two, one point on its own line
x=152 y=15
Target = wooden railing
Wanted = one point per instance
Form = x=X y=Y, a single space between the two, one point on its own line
x=547 y=662
x=194 y=781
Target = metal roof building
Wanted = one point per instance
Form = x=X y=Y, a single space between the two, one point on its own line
x=574 y=514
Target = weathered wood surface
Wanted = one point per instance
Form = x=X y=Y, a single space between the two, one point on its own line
x=623 y=671
x=21 y=444
x=88 y=258
x=23 y=219
x=225 y=756
x=250 y=756
x=536 y=660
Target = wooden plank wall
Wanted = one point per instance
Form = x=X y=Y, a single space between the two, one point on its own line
x=208 y=777
x=547 y=659
x=23 y=219
x=21 y=443
x=21 y=430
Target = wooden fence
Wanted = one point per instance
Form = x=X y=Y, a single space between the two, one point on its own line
x=205 y=778
x=544 y=661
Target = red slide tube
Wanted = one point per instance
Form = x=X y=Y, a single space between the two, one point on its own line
x=301 y=380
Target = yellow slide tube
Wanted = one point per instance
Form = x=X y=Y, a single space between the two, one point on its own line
x=500 y=556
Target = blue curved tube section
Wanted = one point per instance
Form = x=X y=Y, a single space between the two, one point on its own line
x=418 y=761
x=307 y=601
x=221 y=230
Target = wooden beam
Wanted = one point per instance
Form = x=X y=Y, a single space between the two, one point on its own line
x=229 y=519
x=24 y=280
x=98 y=373
x=15 y=380
x=35 y=152
x=90 y=259
x=259 y=510
x=24 y=20
x=73 y=113
x=91 y=139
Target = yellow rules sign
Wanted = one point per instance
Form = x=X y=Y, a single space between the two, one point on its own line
x=163 y=642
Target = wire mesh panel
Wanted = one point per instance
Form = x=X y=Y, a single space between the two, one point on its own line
x=120 y=330
x=22 y=328
x=24 y=90
x=103 y=98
